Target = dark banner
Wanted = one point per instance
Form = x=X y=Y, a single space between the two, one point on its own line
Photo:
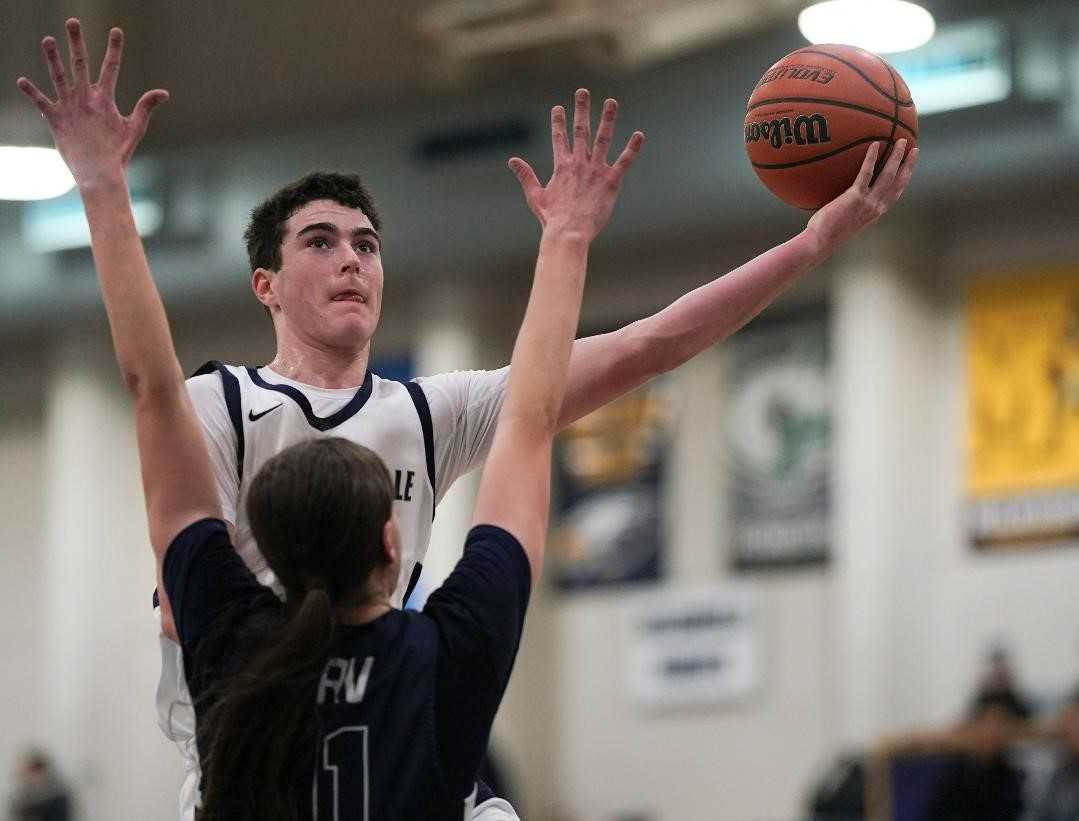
x=777 y=432
x=609 y=471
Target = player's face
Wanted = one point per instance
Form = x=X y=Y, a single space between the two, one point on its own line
x=329 y=288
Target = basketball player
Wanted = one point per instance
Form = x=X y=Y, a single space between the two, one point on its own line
x=433 y=430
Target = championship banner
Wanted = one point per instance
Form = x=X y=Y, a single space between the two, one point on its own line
x=1023 y=410
x=609 y=469
x=776 y=441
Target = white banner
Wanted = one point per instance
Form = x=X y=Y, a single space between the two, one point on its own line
x=696 y=646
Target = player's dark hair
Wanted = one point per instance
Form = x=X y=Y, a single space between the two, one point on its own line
x=317 y=511
x=265 y=231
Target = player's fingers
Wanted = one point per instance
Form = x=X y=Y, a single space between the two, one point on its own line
x=605 y=132
x=110 y=66
x=906 y=171
x=582 y=125
x=559 y=140
x=56 y=66
x=43 y=103
x=865 y=173
x=76 y=46
x=140 y=115
x=891 y=167
x=525 y=176
x=629 y=153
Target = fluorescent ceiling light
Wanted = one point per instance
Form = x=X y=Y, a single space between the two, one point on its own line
x=32 y=173
x=881 y=26
x=965 y=64
x=67 y=229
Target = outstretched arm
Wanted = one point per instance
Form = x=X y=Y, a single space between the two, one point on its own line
x=97 y=142
x=575 y=204
x=607 y=366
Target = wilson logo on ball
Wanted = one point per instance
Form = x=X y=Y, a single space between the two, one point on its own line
x=805 y=130
x=813 y=74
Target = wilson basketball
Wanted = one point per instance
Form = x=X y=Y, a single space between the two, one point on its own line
x=813 y=116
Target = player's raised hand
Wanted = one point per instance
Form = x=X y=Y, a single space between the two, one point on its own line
x=583 y=187
x=867 y=200
x=94 y=138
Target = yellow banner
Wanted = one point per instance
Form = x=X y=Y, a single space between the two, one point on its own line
x=1023 y=379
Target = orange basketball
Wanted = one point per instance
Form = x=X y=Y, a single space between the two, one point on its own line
x=813 y=116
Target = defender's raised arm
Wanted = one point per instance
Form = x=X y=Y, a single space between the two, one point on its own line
x=572 y=208
x=97 y=142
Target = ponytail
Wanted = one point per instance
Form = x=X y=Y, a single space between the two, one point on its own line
x=263 y=729
x=318 y=510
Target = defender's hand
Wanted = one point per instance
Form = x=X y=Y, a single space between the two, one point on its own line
x=95 y=140
x=863 y=204
x=583 y=188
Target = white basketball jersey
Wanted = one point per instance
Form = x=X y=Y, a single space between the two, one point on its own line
x=391 y=418
x=428 y=432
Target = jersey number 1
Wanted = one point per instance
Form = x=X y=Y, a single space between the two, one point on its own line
x=341 y=776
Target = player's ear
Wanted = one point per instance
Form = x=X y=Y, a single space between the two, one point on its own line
x=391 y=541
x=262 y=283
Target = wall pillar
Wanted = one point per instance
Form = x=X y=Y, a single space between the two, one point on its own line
x=101 y=658
x=883 y=327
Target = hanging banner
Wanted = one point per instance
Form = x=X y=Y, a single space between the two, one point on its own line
x=609 y=472
x=1023 y=410
x=777 y=431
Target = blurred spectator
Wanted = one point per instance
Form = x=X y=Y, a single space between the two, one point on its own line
x=1000 y=679
x=840 y=795
x=1061 y=799
x=40 y=795
x=981 y=784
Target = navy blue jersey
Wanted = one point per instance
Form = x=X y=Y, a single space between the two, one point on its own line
x=406 y=701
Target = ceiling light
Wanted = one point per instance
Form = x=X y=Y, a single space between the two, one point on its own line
x=28 y=173
x=881 y=26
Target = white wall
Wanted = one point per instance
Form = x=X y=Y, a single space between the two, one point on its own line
x=101 y=658
x=22 y=587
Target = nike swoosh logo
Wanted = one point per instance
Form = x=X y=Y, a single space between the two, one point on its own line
x=254 y=417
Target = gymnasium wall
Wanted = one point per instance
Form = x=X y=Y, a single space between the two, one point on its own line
x=22 y=636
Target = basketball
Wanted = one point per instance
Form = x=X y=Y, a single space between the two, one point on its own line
x=814 y=114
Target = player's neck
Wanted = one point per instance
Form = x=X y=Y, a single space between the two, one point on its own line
x=370 y=603
x=364 y=613
x=320 y=367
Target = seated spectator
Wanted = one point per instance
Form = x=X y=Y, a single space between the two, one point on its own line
x=40 y=794
x=1000 y=679
x=1061 y=799
x=981 y=785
